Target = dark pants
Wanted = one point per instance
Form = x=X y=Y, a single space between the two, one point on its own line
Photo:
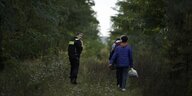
x=74 y=68
x=122 y=75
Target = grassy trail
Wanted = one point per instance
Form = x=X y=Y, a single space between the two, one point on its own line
x=95 y=79
x=49 y=77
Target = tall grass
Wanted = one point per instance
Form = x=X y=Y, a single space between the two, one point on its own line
x=50 y=77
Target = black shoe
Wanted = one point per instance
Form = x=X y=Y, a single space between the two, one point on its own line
x=73 y=81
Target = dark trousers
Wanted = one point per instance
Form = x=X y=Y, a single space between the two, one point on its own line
x=121 y=75
x=74 y=68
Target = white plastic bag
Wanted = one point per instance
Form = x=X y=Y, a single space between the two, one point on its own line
x=133 y=73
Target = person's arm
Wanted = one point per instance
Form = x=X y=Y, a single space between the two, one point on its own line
x=112 y=50
x=79 y=47
x=113 y=47
x=114 y=56
x=71 y=49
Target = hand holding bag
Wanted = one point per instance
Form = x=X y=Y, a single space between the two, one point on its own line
x=133 y=73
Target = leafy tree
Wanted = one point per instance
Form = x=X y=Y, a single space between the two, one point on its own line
x=159 y=31
x=36 y=28
x=179 y=15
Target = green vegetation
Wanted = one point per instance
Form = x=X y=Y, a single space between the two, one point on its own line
x=33 y=28
x=160 y=33
x=34 y=38
x=49 y=77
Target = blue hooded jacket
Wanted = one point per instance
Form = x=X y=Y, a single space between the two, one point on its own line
x=123 y=56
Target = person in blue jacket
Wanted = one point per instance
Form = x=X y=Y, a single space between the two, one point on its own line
x=123 y=57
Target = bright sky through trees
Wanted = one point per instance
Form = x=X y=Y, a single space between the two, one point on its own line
x=104 y=11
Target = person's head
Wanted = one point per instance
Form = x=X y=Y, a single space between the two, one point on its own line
x=124 y=38
x=117 y=41
x=79 y=35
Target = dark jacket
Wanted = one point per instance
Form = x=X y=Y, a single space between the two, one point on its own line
x=112 y=50
x=123 y=56
x=75 y=48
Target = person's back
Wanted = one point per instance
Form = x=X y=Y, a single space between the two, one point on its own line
x=74 y=51
x=124 y=57
x=75 y=48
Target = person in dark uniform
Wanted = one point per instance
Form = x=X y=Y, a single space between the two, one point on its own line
x=74 y=51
